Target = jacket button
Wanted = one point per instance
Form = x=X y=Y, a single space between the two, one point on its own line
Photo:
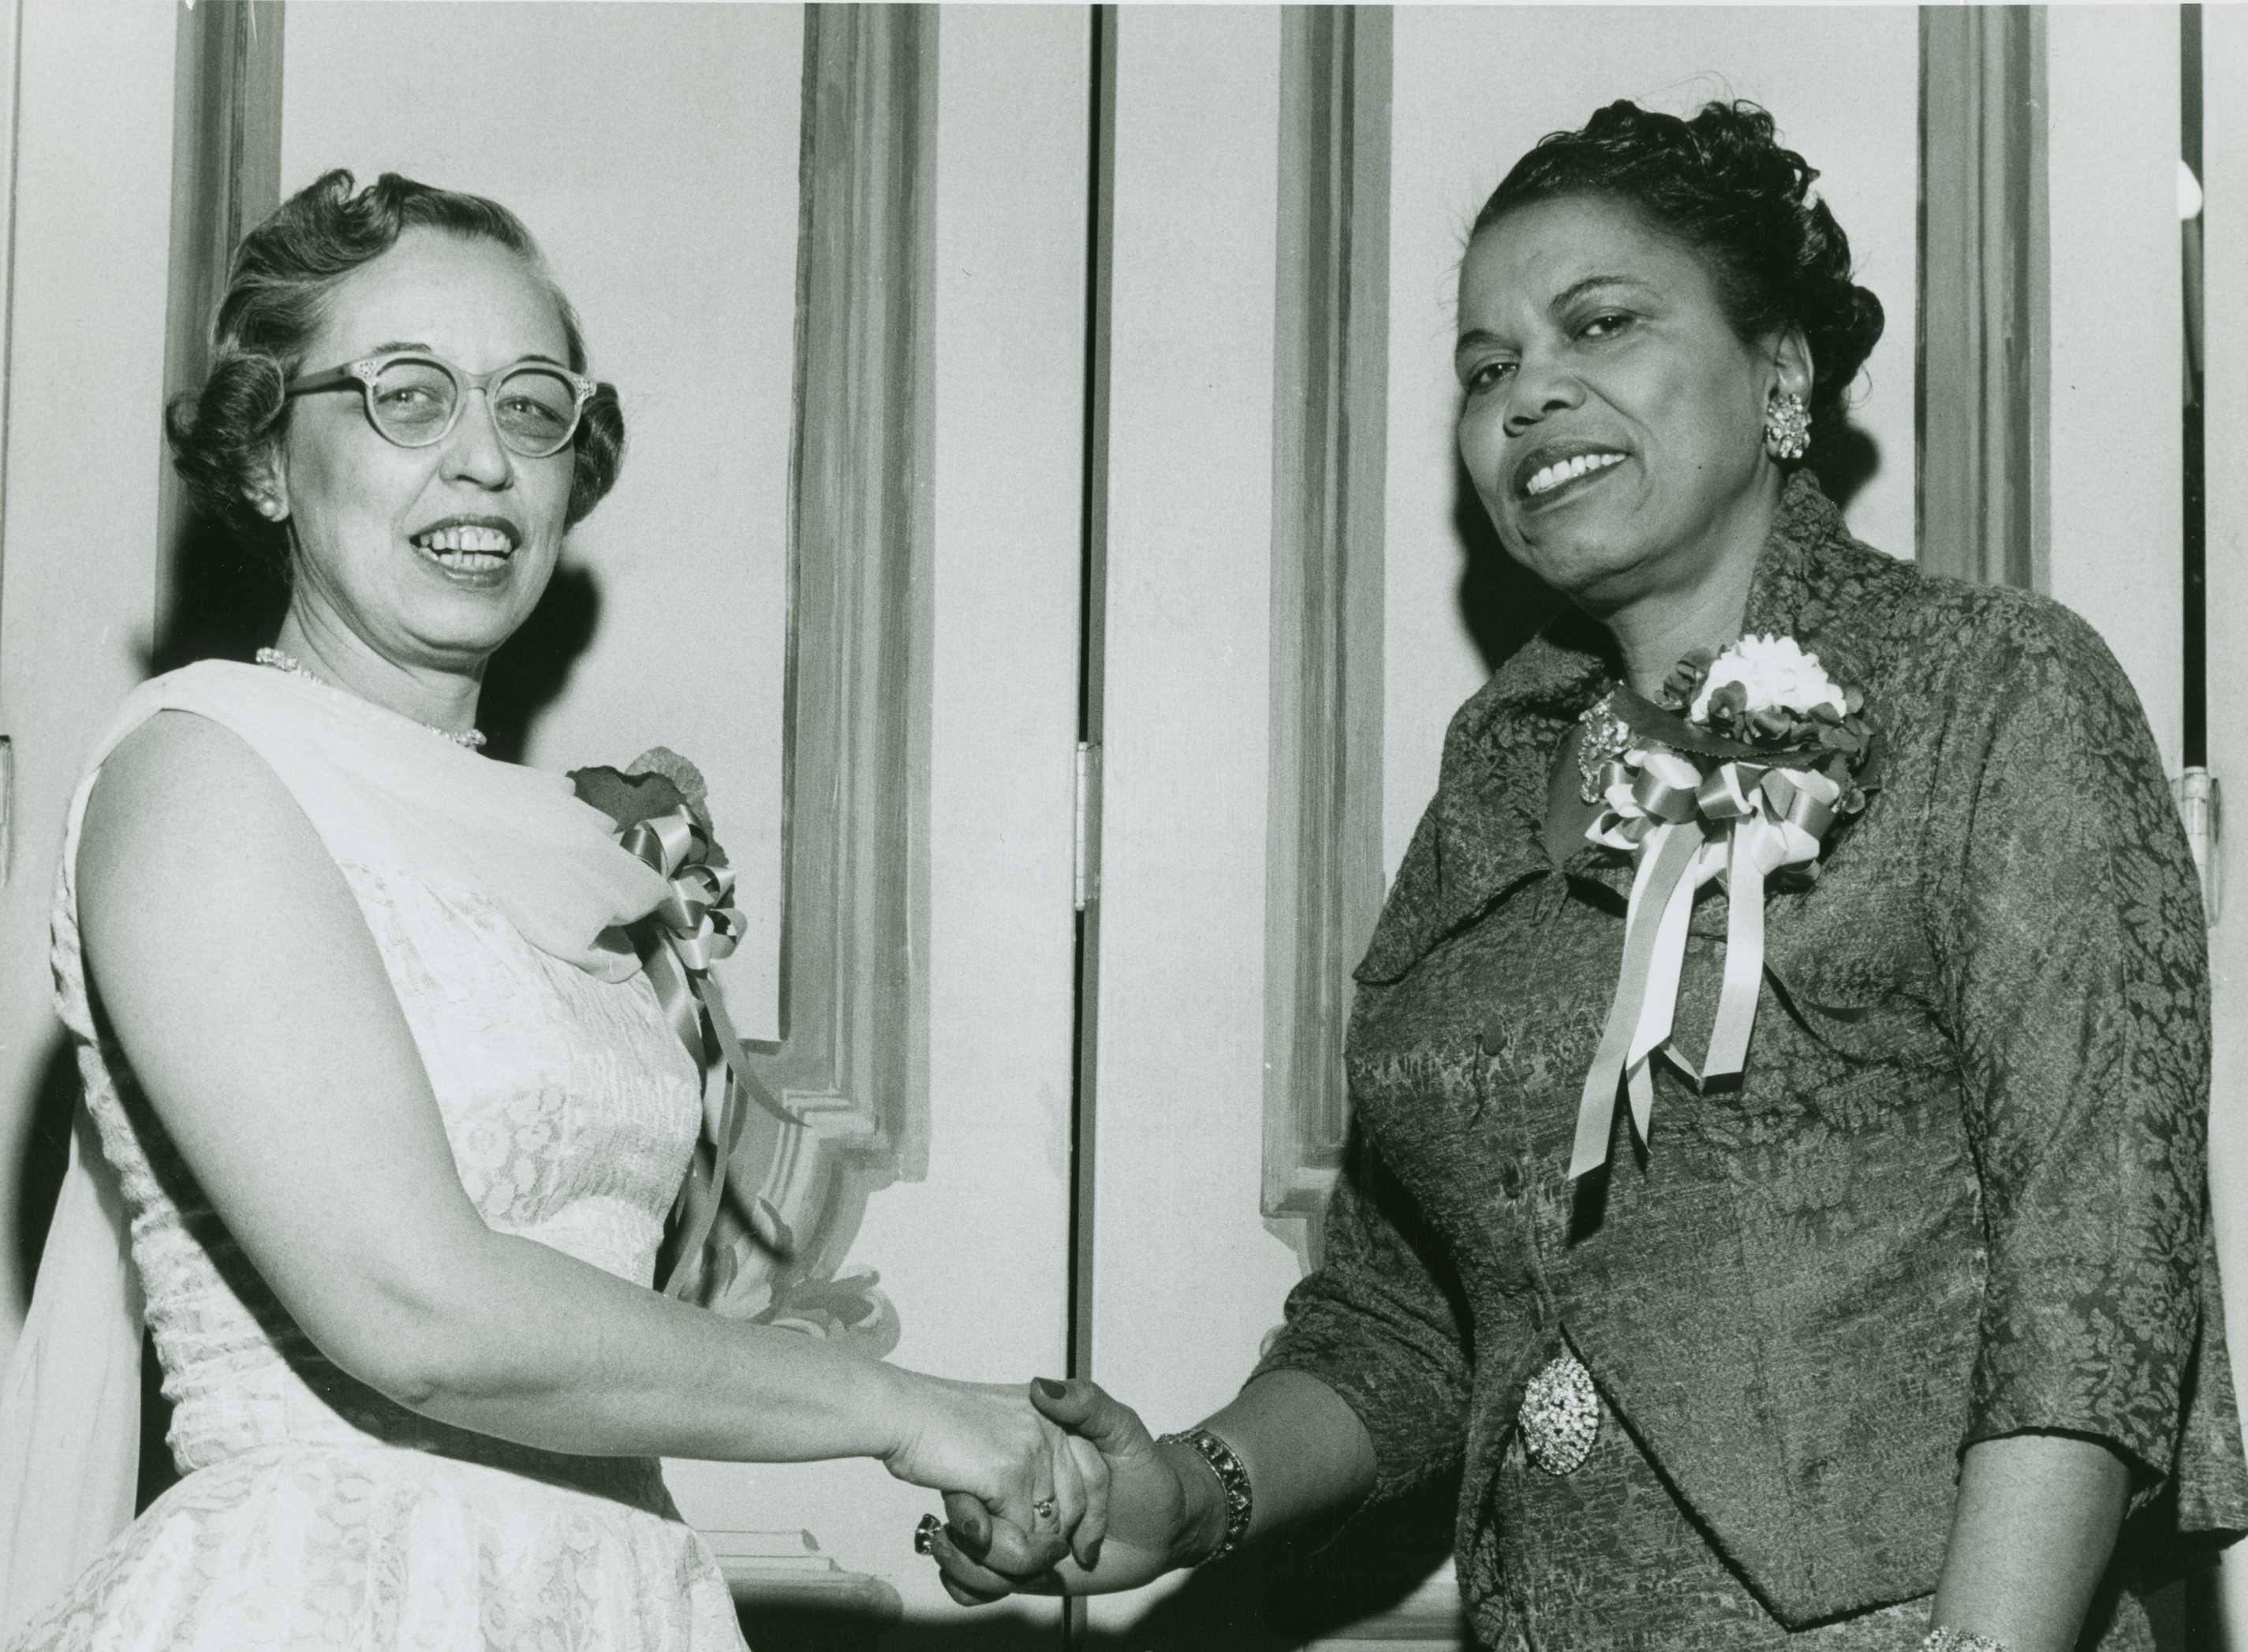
x=1493 y=1036
x=1510 y=1178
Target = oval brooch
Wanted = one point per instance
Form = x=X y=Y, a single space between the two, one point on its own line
x=1560 y=1414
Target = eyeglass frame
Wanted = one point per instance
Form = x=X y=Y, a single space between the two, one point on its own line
x=363 y=373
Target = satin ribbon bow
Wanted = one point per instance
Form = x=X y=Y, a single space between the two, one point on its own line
x=694 y=926
x=1739 y=821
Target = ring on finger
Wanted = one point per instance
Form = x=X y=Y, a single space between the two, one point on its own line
x=1043 y=1509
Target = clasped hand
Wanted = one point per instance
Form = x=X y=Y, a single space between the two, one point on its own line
x=1113 y=1514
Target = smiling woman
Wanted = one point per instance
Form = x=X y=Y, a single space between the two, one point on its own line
x=393 y=1109
x=1901 y=1320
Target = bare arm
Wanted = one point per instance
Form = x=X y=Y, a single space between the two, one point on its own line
x=248 y=997
x=1308 y=1456
x=2031 y=1535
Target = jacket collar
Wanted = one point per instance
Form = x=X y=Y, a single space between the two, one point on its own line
x=1812 y=581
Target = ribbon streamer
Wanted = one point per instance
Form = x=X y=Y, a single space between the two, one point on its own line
x=694 y=926
x=1737 y=821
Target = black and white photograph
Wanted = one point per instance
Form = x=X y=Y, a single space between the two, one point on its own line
x=1142 y=828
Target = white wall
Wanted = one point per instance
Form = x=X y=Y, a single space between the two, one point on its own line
x=78 y=548
x=2225 y=260
x=977 y=1256
x=1186 y=1279
x=2118 y=514
x=652 y=149
x=1476 y=87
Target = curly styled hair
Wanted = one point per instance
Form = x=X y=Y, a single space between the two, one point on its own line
x=276 y=296
x=1722 y=183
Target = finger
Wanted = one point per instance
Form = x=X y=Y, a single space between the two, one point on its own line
x=965 y=1577
x=1018 y=1555
x=962 y=1595
x=1069 y=1482
x=973 y=1584
x=971 y=1522
x=1029 y=1505
x=1085 y=1411
x=1093 y=1468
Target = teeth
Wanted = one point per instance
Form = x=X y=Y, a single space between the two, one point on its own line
x=1553 y=475
x=463 y=538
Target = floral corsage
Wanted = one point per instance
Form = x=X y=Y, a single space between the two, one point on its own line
x=658 y=806
x=1736 y=773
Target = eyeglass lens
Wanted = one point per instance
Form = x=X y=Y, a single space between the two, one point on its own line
x=413 y=401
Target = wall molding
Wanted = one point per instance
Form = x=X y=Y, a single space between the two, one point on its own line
x=852 y=1058
x=1323 y=884
x=1983 y=343
x=226 y=178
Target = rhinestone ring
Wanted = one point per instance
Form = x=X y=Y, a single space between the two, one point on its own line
x=925 y=1534
x=1043 y=1509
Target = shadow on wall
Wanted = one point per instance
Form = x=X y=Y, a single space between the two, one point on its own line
x=228 y=601
x=1503 y=603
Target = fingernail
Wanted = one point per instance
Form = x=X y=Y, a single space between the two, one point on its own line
x=1053 y=1388
x=971 y=1529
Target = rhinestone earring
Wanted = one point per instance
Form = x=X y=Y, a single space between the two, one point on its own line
x=1787 y=427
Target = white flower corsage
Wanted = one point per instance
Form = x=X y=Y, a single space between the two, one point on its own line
x=1750 y=756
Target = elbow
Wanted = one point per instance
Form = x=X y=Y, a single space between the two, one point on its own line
x=430 y=1355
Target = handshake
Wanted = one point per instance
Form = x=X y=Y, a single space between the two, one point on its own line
x=1055 y=1488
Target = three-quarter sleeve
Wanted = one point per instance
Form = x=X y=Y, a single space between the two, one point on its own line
x=1381 y=1321
x=2072 y=953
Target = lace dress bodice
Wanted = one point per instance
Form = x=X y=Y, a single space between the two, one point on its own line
x=313 y=1511
x=571 y=1109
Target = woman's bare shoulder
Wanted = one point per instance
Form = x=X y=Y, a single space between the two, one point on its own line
x=182 y=794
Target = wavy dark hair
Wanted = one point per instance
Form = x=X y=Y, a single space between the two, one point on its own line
x=1722 y=183
x=277 y=294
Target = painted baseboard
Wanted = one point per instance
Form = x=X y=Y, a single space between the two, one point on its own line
x=786 y=1574
x=1429 y=1617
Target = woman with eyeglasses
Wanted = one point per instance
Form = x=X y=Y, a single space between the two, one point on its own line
x=394 y=1114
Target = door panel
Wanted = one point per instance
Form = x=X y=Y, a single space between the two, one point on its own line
x=89 y=117
x=2118 y=493
x=1186 y=1279
x=1189 y=1270
x=2225 y=264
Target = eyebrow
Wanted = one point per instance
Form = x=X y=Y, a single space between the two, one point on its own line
x=395 y=344
x=1475 y=337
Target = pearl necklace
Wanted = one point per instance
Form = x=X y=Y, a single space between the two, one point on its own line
x=469 y=739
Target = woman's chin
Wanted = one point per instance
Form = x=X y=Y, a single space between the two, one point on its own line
x=460 y=633
x=1596 y=577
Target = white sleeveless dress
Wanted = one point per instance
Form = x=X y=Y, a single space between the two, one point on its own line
x=314 y=1514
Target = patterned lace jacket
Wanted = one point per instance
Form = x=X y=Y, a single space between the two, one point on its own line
x=1960 y=1190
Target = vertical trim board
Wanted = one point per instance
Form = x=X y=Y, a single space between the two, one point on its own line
x=851 y=1065
x=1984 y=340
x=226 y=178
x=1329 y=453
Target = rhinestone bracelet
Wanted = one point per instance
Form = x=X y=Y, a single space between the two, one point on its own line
x=1944 y=1638
x=1232 y=1479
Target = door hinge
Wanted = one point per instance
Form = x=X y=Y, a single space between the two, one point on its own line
x=2200 y=802
x=1085 y=838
